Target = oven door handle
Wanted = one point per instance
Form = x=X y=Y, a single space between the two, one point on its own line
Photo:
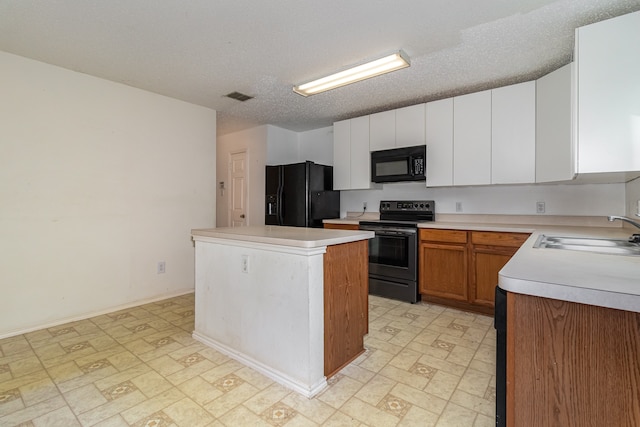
x=391 y=231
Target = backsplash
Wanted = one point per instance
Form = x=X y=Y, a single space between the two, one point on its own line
x=559 y=199
x=520 y=220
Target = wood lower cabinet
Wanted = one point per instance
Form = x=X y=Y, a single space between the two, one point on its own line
x=490 y=251
x=571 y=364
x=486 y=263
x=341 y=226
x=443 y=264
x=460 y=268
x=346 y=316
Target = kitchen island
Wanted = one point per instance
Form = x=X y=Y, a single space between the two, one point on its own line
x=290 y=302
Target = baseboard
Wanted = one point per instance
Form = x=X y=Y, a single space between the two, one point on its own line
x=307 y=390
x=88 y=315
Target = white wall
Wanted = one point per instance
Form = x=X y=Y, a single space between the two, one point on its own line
x=317 y=145
x=282 y=146
x=560 y=199
x=285 y=146
x=98 y=182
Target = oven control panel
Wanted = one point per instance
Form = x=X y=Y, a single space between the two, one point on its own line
x=390 y=206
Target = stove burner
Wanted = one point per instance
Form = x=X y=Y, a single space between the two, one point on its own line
x=408 y=210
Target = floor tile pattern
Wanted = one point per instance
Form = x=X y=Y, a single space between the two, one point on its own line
x=424 y=365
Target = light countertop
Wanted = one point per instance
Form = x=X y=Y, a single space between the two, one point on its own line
x=284 y=236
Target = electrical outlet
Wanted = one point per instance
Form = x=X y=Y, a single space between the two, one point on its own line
x=540 y=207
x=458 y=206
x=244 y=264
x=161 y=267
x=364 y=206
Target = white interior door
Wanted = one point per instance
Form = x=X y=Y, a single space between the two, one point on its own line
x=238 y=193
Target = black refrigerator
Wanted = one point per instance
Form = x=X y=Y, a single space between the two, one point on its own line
x=300 y=195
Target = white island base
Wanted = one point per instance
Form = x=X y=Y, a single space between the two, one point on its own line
x=262 y=303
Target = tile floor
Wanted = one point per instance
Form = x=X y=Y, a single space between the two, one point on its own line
x=424 y=365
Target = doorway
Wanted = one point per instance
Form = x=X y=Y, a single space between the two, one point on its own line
x=238 y=192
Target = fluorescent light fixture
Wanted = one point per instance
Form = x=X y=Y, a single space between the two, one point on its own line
x=374 y=68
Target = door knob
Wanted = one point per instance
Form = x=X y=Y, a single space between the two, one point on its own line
x=241 y=215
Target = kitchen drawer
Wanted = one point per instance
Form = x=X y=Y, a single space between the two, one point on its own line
x=490 y=238
x=448 y=236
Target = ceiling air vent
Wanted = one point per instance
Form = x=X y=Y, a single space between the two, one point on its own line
x=239 y=96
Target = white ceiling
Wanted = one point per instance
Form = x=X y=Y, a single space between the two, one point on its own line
x=201 y=50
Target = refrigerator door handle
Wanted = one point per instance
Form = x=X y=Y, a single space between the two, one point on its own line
x=280 y=203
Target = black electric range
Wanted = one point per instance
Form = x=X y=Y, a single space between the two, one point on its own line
x=393 y=252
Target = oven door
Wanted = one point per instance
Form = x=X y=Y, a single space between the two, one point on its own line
x=393 y=252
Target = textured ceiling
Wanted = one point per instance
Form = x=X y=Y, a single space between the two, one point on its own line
x=200 y=50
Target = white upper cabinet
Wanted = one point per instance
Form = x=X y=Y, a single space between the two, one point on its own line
x=342 y=155
x=382 y=130
x=472 y=139
x=513 y=134
x=351 y=157
x=555 y=156
x=410 y=126
x=608 y=61
x=439 y=136
x=403 y=127
x=360 y=154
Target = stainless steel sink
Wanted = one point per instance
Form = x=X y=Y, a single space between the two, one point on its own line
x=589 y=244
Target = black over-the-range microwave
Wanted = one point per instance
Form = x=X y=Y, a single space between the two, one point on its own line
x=399 y=164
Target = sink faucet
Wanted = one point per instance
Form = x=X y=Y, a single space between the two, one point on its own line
x=625 y=219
